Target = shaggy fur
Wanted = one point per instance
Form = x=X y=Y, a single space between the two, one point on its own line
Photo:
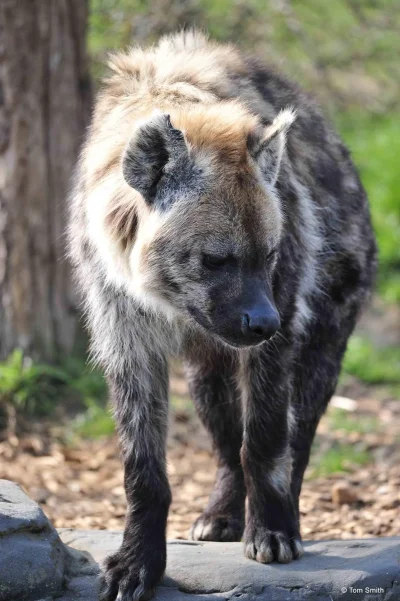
x=216 y=216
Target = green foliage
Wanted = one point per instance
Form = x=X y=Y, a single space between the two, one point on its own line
x=37 y=389
x=30 y=387
x=95 y=422
x=345 y=51
x=371 y=364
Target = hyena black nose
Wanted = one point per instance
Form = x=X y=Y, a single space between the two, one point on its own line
x=260 y=324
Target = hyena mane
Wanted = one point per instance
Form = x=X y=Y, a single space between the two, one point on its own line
x=218 y=216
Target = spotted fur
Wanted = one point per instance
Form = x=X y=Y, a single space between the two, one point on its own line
x=214 y=206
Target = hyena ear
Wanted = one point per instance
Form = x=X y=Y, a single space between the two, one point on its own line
x=266 y=146
x=155 y=143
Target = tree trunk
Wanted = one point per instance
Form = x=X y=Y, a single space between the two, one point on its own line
x=44 y=107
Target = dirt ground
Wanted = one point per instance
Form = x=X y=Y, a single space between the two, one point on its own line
x=81 y=486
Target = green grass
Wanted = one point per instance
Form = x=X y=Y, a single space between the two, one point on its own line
x=340 y=458
x=375 y=145
x=340 y=420
x=371 y=364
x=182 y=405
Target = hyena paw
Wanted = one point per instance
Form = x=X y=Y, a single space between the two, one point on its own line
x=266 y=545
x=217 y=527
x=127 y=579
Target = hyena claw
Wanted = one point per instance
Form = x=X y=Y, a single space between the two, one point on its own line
x=127 y=580
x=266 y=546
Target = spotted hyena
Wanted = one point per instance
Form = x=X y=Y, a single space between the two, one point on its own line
x=216 y=216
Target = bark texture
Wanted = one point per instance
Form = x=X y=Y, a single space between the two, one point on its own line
x=44 y=106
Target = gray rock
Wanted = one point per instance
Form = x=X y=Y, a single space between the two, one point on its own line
x=81 y=582
x=31 y=552
x=36 y=566
x=364 y=570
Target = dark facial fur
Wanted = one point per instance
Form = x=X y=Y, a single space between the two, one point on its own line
x=218 y=272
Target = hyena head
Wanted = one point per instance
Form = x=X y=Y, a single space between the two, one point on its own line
x=206 y=249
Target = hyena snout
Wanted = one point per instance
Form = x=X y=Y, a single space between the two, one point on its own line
x=260 y=323
x=249 y=319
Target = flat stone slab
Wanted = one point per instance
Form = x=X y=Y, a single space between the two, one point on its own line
x=357 y=570
x=31 y=553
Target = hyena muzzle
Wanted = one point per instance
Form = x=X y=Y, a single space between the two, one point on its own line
x=218 y=217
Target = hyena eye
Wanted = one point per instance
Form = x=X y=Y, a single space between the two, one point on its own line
x=215 y=261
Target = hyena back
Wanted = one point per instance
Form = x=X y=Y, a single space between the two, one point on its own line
x=217 y=216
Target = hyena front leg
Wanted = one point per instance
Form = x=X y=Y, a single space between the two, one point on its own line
x=137 y=374
x=272 y=528
x=213 y=386
x=141 y=411
x=138 y=566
